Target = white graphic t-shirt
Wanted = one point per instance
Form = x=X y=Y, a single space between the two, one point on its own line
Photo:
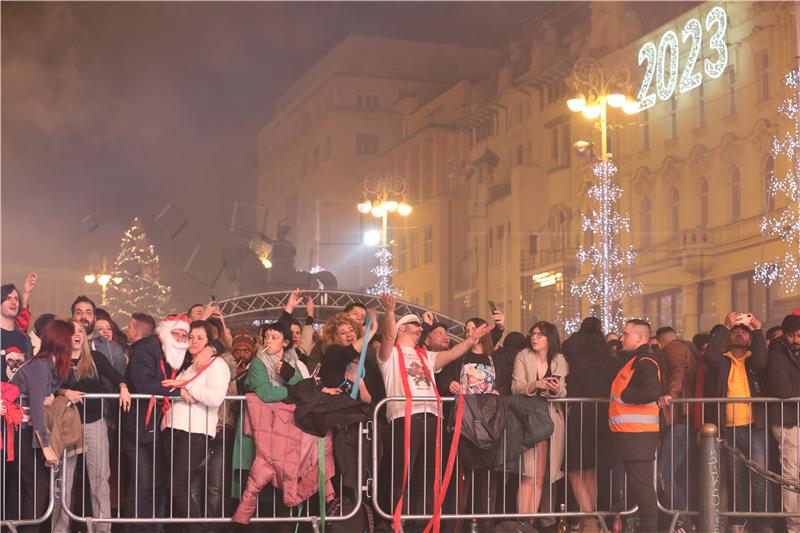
x=418 y=381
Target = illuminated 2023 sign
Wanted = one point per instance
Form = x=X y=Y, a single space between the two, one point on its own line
x=666 y=72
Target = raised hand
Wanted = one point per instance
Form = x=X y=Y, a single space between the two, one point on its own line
x=310 y=306
x=479 y=332
x=295 y=297
x=499 y=319
x=388 y=301
x=30 y=282
x=427 y=317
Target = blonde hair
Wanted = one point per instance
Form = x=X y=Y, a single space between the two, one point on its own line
x=86 y=368
x=333 y=323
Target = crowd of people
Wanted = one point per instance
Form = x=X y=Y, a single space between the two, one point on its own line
x=179 y=449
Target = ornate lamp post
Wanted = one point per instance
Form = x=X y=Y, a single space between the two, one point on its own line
x=384 y=194
x=605 y=285
x=101 y=277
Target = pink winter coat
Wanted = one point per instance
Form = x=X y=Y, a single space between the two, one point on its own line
x=285 y=456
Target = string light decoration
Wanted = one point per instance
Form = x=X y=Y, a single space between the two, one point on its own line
x=384 y=272
x=785 y=225
x=605 y=286
x=135 y=285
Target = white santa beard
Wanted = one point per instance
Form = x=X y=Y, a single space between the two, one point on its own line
x=175 y=354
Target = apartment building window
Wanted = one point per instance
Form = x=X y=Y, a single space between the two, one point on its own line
x=736 y=193
x=769 y=169
x=675 y=212
x=328 y=148
x=533 y=244
x=701 y=106
x=560 y=146
x=647 y=222
x=414 y=249
x=367 y=101
x=703 y=190
x=762 y=75
x=731 y=91
x=498 y=251
x=520 y=155
x=746 y=295
x=673 y=118
x=644 y=128
x=528 y=151
x=428 y=299
x=451 y=175
x=428 y=244
x=706 y=306
x=665 y=308
x=366 y=143
x=401 y=254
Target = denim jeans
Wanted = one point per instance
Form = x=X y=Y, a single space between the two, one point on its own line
x=672 y=466
x=747 y=491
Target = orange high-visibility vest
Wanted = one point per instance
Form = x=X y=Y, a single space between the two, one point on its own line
x=629 y=417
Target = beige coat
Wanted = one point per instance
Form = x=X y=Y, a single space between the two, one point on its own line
x=525 y=372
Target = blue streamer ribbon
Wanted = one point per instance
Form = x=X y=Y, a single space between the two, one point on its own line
x=361 y=359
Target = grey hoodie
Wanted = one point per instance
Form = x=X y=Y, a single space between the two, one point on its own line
x=112 y=351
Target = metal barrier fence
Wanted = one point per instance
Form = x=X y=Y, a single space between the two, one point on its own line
x=526 y=486
x=744 y=494
x=117 y=445
x=585 y=481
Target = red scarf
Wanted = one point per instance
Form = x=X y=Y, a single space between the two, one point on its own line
x=166 y=405
x=439 y=487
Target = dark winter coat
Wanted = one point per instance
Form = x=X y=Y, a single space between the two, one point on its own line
x=528 y=423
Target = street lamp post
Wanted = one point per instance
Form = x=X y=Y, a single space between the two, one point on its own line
x=102 y=278
x=384 y=194
x=598 y=90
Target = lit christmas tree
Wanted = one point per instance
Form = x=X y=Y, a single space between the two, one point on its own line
x=605 y=286
x=135 y=285
x=785 y=224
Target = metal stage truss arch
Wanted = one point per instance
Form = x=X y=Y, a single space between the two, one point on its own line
x=251 y=310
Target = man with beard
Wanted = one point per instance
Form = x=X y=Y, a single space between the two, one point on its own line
x=737 y=355
x=152 y=360
x=783 y=381
x=84 y=310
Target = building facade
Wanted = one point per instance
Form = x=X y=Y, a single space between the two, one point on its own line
x=694 y=168
x=485 y=141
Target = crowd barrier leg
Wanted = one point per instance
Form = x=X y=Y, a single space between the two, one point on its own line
x=709 y=479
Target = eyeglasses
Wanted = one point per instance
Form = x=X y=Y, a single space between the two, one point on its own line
x=537 y=335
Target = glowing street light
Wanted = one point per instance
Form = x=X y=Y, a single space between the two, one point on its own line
x=383 y=195
x=102 y=278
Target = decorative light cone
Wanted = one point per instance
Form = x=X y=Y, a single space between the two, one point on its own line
x=577 y=104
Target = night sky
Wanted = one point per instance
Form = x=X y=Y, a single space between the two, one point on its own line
x=117 y=109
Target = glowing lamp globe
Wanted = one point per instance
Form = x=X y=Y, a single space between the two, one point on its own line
x=378 y=211
x=390 y=205
x=577 y=104
x=365 y=206
x=404 y=209
x=89 y=278
x=591 y=111
x=372 y=237
x=616 y=100
x=103 y=279
x=631 y=107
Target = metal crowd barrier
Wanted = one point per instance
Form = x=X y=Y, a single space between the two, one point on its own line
x=270 y=508
x=11 y=512
x=460 y=501
x=743 y=494
x=485 y=496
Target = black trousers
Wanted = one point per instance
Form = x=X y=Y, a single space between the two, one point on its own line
x=421 y=464
x=187 y=452
x=641 y=489
x=27 y=483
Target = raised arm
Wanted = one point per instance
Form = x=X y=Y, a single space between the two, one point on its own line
x=444 y=358
x=373 y=327
x=388 y=327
